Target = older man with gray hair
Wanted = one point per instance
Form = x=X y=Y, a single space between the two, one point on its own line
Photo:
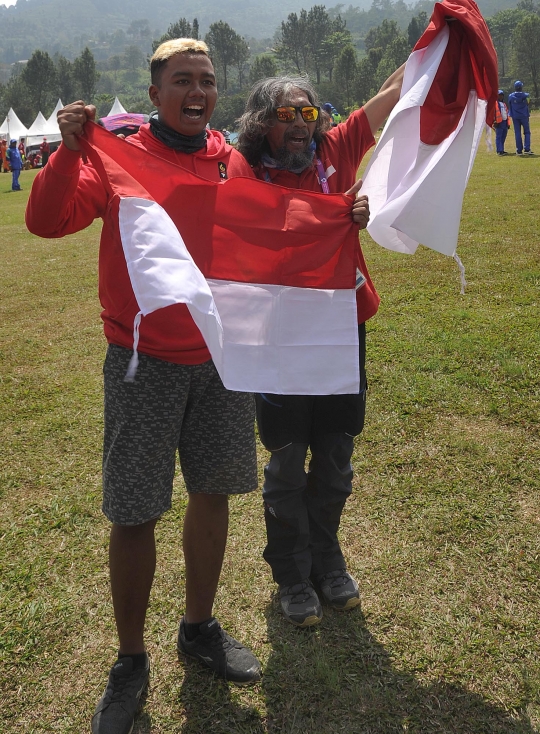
x=288 y=140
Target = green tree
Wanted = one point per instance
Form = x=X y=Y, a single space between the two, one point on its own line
x=501 y=27
x=294 y=42
x=39 y=76
x=526 y=41
x=181 y=29
x=64 y=80
x=86 y=74
x=332 y=47
x=346 y=69
x=395 y=54
x=319 y=29
x=364 y=85
x=133 y=58
x=226 y=46
x=228 y=110
x=263 y=66
x=381 y=36
x=416 y=27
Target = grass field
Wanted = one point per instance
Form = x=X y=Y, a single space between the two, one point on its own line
x=442 y=530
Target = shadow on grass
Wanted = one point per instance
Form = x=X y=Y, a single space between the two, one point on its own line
x=208 y=705
x=337 y=678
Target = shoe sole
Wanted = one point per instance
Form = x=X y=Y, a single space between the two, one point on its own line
x=183 y=654
x=307 y=622
x=351 y=604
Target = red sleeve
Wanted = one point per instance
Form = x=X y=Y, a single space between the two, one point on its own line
x=66 y=196
x=352 y=138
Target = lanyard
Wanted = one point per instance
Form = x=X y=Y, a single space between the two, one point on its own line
x=322 y=177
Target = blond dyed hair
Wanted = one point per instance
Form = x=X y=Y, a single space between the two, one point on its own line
x=168 y=49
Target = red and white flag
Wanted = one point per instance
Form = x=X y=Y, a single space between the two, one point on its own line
x=267 y=273
x=418 y=172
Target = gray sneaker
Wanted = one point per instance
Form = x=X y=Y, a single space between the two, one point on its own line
x=220 y=652
x=115 y=712
x=300 y=604
x=339 y=589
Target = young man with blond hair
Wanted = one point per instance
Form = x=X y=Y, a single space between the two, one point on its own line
x=177 y=402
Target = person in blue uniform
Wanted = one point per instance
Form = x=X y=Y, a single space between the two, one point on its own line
x=518 y=107
x=15 y=163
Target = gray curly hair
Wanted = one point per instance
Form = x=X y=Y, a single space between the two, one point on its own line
x=259 y=117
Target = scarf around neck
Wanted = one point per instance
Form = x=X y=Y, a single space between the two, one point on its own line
x=175 y=140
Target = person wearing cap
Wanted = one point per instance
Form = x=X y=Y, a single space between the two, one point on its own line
x=45 y=150
x=334 y=114
x=15 y=163
x=518 y=109
x=501 y=123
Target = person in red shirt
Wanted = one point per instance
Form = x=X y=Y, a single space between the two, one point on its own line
x=177 y=403
x=289 y=141
x=45 y=150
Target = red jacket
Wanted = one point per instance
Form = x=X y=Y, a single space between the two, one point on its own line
x=341 y=153
x=68 y=195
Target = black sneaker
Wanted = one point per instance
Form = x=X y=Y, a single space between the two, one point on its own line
x=339 y=589
x=300 y=604
x=115 y=712
x=528 y=152
x=220 y=652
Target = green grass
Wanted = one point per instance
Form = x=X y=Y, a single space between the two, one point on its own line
x=442 y=530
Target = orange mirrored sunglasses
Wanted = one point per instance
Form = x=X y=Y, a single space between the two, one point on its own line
x=288 y=114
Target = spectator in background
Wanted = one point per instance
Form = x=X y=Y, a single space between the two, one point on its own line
x=22 y=149
x=518 y=108
x=501 y=124
x=334 y=114
x=3 y=153
x=45 y=151
x=15 y=163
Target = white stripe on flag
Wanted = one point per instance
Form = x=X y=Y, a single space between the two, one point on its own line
x=285 y=340
x=416 y=190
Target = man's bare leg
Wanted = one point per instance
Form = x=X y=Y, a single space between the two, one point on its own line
x=205 y=537
x=132 y=562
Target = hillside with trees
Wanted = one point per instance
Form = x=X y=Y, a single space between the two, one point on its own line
x=347 y=53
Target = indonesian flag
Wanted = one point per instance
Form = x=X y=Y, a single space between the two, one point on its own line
x=268 y=274
x=417 y=175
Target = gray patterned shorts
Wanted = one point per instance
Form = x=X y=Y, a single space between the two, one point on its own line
x=169 y=408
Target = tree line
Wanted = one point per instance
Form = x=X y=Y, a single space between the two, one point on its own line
x=314 y=42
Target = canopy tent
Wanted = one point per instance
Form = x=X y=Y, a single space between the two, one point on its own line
x=41 y=128
x=117 y=108
x=53 y=124
x=12 y=127
x=126 y=123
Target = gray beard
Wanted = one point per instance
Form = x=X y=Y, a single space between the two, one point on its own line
x=295 y=162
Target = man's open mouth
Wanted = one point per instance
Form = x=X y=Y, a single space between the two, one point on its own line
x=297 y=139
x=194 y=111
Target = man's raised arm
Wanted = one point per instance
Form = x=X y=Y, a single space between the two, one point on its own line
x=66 y=196
x=381 y=105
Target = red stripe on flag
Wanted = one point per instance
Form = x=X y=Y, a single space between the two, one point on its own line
x=240 y=229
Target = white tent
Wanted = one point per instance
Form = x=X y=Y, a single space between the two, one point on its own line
x=117 y=108
x=51 y=122
x=41 y=128
x=12 y=127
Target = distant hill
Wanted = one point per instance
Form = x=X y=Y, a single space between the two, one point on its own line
x=67 y=26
